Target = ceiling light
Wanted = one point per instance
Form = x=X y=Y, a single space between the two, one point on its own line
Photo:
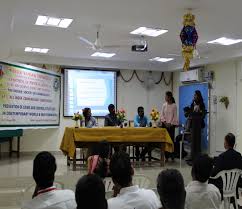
x=37 y=50
x=64 y=23
x=41 y=20
x=28 y=49
x=159 y=59
x=225 y=41
x=100 y=54
x=44 y=51
x=53 y=21
x=154 y=32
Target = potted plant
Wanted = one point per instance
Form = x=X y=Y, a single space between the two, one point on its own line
x=225 y=100
x=76 y=117
x=154 y=116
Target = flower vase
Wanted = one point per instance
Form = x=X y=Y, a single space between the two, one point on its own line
x=76 y=124
x=155 y=124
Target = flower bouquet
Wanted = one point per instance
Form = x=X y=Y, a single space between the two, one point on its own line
x=154 y=115
x=77 y=116
x=121 y=115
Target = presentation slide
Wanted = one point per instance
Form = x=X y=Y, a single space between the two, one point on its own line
x=89 y=88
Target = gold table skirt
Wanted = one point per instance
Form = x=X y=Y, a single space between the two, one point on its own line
x=114 y=135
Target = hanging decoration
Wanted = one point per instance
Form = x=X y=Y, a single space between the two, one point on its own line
x=189 y=39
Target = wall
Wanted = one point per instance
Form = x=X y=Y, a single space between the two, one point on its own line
x=129 y=96
x=226 y=83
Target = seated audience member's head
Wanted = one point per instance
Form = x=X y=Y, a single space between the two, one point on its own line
x=111 y=109
x=229 y=141
x=102 y=149
x=170 y=186
x=141 y=111
x=90 y=193
x=86 y=112
x=202 y=167
x=44 y=169
x=121 y=169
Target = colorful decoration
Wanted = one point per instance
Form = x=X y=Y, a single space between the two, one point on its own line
x=154 y=114
x=121 y=115
x=77 y=116
x=189 y=39
x=225 y=100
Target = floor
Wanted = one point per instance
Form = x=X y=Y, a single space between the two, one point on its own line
x=15 y=175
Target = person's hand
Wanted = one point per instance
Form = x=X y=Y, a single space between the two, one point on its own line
x=168 y=125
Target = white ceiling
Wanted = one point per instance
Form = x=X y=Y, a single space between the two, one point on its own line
x=214 y=18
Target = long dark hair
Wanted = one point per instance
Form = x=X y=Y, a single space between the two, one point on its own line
x=200 y=97
x=170 y=95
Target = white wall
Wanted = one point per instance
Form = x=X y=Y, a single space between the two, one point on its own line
x=129 y=96
x=226 y=83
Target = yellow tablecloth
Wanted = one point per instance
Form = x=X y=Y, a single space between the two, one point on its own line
x=113 y=134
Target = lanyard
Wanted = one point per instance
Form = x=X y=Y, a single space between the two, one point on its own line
x=46 y=190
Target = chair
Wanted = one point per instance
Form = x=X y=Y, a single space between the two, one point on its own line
x=183 y=132
x=230 y=179
x=142 y=181
x=108 y=184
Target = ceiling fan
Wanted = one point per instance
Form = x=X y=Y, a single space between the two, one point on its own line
x=97 y=45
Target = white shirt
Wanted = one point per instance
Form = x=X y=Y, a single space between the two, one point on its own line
x=55 y=199
x=202 y=196
x=134 y=198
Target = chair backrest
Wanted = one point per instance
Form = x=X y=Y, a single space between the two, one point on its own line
x=108 y=184
x=142 y=181
x=230 y=179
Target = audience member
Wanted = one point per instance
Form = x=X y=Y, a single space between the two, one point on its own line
x=200 y=194
x=89 y=121
x=98 y=162
x=111 y=119
x=126 y=194
x=230 y=159
x=46 y=195
x=170 y=186
x=90 y=193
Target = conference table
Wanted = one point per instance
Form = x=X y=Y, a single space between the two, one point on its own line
x=85 y=137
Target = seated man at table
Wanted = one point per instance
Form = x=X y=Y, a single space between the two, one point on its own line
x=127 y=195
x=111 y=118
x=141 y=120
x=46 y=195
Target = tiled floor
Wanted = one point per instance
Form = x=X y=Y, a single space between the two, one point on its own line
x=15 y=174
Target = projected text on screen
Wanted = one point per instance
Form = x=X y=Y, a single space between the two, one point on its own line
x=88 y=88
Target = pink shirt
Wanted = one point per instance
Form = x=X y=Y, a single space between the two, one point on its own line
x=169 y=113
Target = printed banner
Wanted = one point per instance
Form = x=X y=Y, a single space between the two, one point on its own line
x=29 y=96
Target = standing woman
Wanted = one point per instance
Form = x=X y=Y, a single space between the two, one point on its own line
x=198 y=113
x=169 y=118
x=198 y=105
x=89 y=121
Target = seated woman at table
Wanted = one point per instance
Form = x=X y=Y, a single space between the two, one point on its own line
x=98 y=162
x=89 y=121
